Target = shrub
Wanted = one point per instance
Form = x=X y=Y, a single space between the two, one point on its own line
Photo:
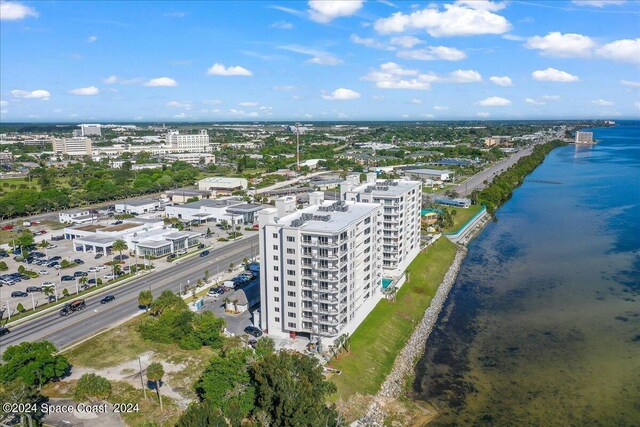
x=222 y=239
x=64 y=263
x=65 y=292
x=20 y=307
x=3 y=266
x=92 y=387
x=21 y=269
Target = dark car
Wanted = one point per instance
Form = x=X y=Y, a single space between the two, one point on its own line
x=34 y=289
x=118 y=222
x=18 y=294
x=3 y=331
x=201 y=246
x=80 y=274
x=91 y=281
x=55 y=258
x=98 y=256
x=78 y=261
x=172 y=257
x=121 y=257
x=67 y=278
x=37 y=254
x=204 y=253
x=4 y=254
x=107 y=299
x=252 y=330
x=52 y=264
x=72 y=306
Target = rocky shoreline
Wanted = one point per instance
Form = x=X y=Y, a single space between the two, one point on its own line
x=405 y=362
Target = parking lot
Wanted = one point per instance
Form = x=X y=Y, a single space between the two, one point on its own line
x=47 y=264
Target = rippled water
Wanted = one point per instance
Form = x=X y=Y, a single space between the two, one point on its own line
x=543 y=324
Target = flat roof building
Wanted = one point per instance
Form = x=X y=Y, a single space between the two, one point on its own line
x=222 y=184
x=584 y=137
x=73 y=146
x=320 y=272
x=90 y=130
x=189 y=143
x=138 y=207
x=209 y=210
x=437 y=174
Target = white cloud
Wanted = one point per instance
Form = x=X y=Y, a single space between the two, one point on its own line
x=392 y=76
x=463 y=76
x=377 y=97
x=324 y=11
x=458 y=19
x=282 y=25
x=182 y=115
x=369 y=42
x=602 y=103
x=161 y=82
x=248 y=104
x=440 y=107
x=432 y=53
x=212 y=101
x=416 y=101
x=483 y=114
x=598 y=3
x=319 y=57
x=37 y=94
x=220 y=70
x=85 y=91
x=175 y=14
x=551 y=97
x=406 y=42
x=534 y=102
x=629 y=83
x=637 y=104
x=427 y=115
x=284 y=88
x=110 y=80
x=626 y=50
x=13 y=11
x=562 y=45
x=494 y=101
x=91 y=39
x=179 y=104
x=553 y=75
x=4 y=111
x=501 y=81
x=3 y=103
x=341 y=94
x=115 y=79
x=325 y=60
x=482 y=4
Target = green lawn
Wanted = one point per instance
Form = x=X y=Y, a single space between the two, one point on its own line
x=379 y=339
x=462 y=216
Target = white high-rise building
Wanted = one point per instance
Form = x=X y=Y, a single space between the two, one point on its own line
x=185 y=143
x=320 y=272
x=584 y=137
x=73 y=146
x=90 y=130
x=402 y=205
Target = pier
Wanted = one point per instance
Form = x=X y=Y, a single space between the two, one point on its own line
x=543 y=181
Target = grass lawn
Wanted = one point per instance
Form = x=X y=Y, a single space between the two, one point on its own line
x=462 y=216
x=379 y=339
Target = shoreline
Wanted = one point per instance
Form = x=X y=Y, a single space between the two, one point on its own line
x=404 y=364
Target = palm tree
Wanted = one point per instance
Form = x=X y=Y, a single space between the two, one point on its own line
x=119 y=245
x=145 y=299
x=44 y=245
x=83 y=280
x=155 y=372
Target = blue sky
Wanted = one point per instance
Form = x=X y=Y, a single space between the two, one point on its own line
x=318 y=60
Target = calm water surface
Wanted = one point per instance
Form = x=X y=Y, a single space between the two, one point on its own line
x=543 y=324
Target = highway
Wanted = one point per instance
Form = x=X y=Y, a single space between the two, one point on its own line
x=64 y=331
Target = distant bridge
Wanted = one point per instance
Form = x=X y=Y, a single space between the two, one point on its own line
x=543 y=181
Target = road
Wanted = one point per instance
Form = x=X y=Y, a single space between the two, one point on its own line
x=64 y=331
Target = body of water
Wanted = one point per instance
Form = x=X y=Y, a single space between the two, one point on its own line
x=543 y=324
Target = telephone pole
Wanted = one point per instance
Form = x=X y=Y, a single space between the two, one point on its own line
x=298 y=147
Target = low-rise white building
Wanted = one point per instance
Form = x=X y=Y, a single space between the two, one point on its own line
x=320 y=272
x=139 y=207
x=196 y=159
x=434 y=174
x=232 y=210
x=73 y=146
x=222 y=184
x=76 y=216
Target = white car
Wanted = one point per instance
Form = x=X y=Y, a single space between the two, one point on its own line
x=52 y=246
x=57 y=266
x=109 y=277
x=93 y=269
x=100 y=267
x=43 y=272
x=48 y=284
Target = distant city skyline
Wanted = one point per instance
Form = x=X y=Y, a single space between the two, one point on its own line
x=318 y=60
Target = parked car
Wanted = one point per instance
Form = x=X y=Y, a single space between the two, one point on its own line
x=172 y=257
x=107 y=299
x=67 y=278
x=43 y=272
x=55 y=258
x=182 y=252
x=42 y=232
x=52 y=246
x=118 y=222
x=72 y=306
x=80 y=274
x=98 y=256
x=201 y=246
x=100 y=267
x=252 y=330
x=35 y=222
x=215 y=291
x=18 y=294
x=31 y=289
x=91 y=281
x=78 y=261
x=56 y=238
x=109 y=276
x=121 y=257
x=204 y=253
x=47 y=284
x=7 y=227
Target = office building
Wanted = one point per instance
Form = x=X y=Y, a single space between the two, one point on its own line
x=320 y=272
x=185 y=143
x=73 y=146
x=496 y=140
x=90 y=130
x=402 y=204
x=584 y=137
x=222 y=184
x=232 y=210
x=195 y=159
x=433 y=174
x=139 y=207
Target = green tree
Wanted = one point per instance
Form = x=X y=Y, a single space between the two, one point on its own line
x=92 y=387
x=25 y=395
x=166 y=300
x=202 y=414
x=35 y=363
x=265 y=346
x=291 y=390
x=25 y=238
x=64 y=263
x=155 y=372
x=145 y=298
x=120 y=246
x=21 y=269
x=20 y=307
x=3 y=266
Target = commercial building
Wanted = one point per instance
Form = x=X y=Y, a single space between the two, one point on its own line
x=6 y=157
x=139 y=207
x=402 y=204
x=321 y=269
x=196 y=159
x=181 y=195
x=584 y=137
x=232 y=210
x=184 y=143
x=496 y=140
x=73 y=147
x=76 y=216
x=90 y=130
x=222 y=184
x=144 y=237
x=434 y=174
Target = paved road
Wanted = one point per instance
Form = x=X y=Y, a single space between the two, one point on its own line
x=64 y=331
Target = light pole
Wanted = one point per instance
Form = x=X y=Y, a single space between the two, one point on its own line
x=33 y=303
x=8 y=310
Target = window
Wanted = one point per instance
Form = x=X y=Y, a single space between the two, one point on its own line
x=275 y=235
x=291 y=294
x=291 y=272
x=291 y=304
x=277 y=319
x=276 y=268
x=291 y=282
x=291 y=239
x=291 y=261
x=292 y=325
x=275 y=247
x=276 y=279
x=291 y=251
x=275 y=257
x=276 y=299
x=291 y=315
x=277 y=309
